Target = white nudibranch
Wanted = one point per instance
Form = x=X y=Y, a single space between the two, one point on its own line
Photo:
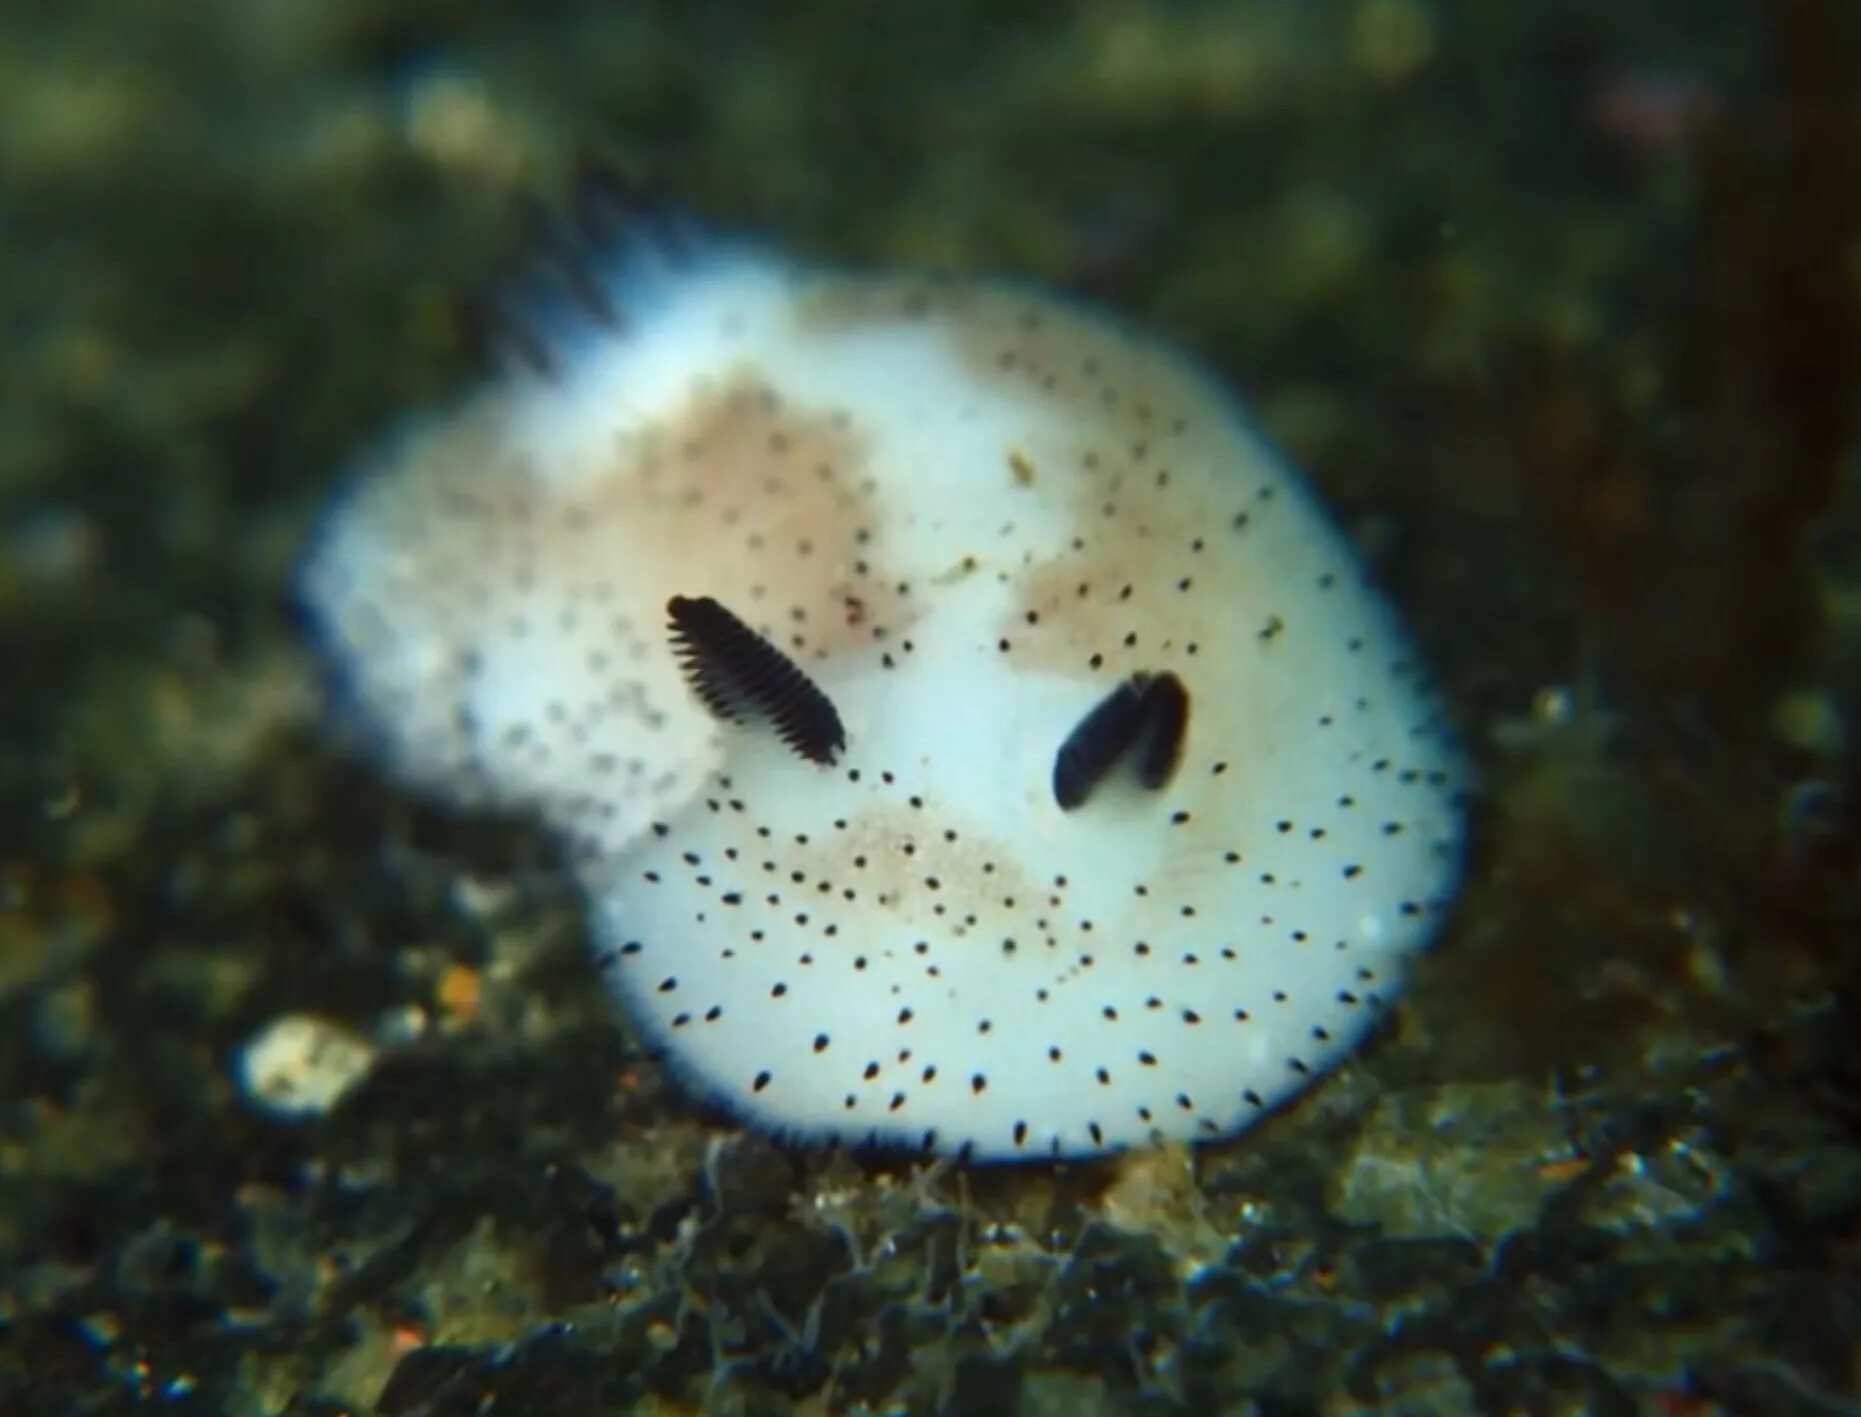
x=972 y=738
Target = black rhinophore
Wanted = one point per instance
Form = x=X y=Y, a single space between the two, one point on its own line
x=1149 y=713
x=1166 y=724
x=739 y=674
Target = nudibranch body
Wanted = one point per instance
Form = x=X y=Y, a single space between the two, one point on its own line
x=1133 y=801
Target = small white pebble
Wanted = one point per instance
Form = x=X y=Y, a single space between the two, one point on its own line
x=301 y=1065
x=483 y=900
x=398 y=1027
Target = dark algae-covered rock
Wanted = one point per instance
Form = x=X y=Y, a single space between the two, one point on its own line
x=314 y=1094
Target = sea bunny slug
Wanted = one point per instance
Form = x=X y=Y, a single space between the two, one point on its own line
x=971 y=737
